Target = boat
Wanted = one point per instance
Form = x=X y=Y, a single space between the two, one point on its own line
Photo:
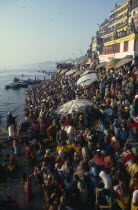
x=16 y=85
x=21 y=83
x=7 y=87
x=31 y=82
x=16 y=79
x=24 y=85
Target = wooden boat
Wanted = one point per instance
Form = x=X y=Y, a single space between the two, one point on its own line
x=7 y=87
x=16 y=79
x=21 y=84
x=16 y=85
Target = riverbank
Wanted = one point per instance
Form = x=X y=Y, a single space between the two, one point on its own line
x=62 y=150
x=10 y=99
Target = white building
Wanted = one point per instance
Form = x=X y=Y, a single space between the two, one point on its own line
x=120 y=48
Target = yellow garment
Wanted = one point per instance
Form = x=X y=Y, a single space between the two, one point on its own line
x=9 y=168
x=134 y=207
x=132 y=168
x=81 y=117
x=124 y=202
x=65 y=148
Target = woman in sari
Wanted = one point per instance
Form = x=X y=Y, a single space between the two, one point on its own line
x=28 y=188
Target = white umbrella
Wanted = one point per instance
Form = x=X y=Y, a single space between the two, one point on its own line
x=74 y=105
x=86 y=77
x=86 y=72
x=63 y=71
x=71 y=72
x=86 y=83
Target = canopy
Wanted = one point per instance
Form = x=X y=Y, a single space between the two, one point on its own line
x=112 y=64
x=87 y=83
x=64 y=71
x=123 y=61
x=78 y=73
x=58 y=70
x=74 y=106
x=101 y=65
x=86 y=72
x=86 y=77
x=82 y=62
x=71 y=72
x=88 y=62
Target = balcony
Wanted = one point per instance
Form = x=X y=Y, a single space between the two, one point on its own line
x=107 y=31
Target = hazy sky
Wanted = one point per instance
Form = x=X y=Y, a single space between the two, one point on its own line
x=42 y=30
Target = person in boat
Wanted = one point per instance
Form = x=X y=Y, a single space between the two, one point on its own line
x=11 y=125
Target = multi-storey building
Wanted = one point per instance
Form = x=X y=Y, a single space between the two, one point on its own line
x=134 y=4
x=107 y=28
x=133 y=20
x=95 y=49
x=119 y=32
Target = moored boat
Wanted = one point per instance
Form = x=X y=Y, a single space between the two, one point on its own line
x=16 y=85
x=16 y=79
x=7 y=87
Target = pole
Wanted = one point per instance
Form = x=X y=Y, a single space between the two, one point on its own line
x=17 y=108
x=13 y=110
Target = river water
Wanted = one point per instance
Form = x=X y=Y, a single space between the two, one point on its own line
x=10 y=99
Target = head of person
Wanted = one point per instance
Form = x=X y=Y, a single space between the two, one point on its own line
x=127 y=146
x=136 y=175
x=135 y=130
x=102 y=174
x=98 y=153
x=9 y=114
x=76 y=177
x=135 y=160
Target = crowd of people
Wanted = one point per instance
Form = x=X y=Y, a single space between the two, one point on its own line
x=86 y=159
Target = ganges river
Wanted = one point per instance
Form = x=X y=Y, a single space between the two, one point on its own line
x=11 y=99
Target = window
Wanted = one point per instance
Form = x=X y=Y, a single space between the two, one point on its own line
x=110 y=49
x=114 y=48
x=118 y=47
x=125 y=46
x=106 y=49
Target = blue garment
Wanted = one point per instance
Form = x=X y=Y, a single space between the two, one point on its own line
x=108 y=148
x=94 y=177
x=68 y=185
x=63 y=174
x=123 y=135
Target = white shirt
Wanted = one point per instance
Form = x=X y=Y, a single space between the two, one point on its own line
x=135 y=196
x=106 y=179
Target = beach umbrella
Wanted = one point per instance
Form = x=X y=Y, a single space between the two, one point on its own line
x=112 y=64
x=123 y=62
x=78 y=73
x=71 y=72
x=101 y=65
x=64 y=71
x=86 y=77
x=87 y=83
x=86 y=72
x=58 y=70
x=74 y=106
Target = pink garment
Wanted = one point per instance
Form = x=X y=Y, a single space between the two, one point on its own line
x=99 y=160
x=41 y=127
